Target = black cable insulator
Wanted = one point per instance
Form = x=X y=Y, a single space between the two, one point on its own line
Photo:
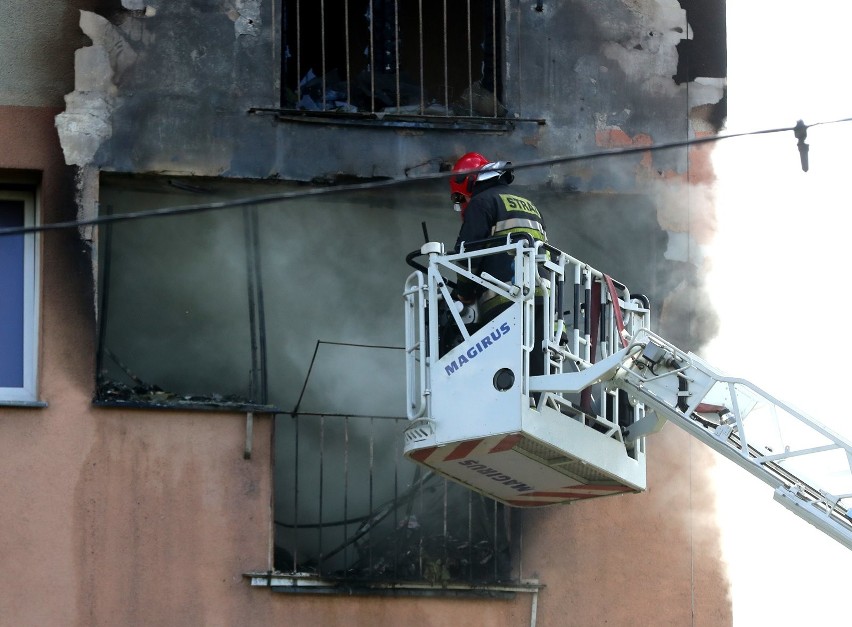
x=801 y=132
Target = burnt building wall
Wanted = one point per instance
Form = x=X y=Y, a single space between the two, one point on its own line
x=152 y=516
x=579 y=76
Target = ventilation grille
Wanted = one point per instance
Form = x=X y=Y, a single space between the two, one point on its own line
x=419 y=431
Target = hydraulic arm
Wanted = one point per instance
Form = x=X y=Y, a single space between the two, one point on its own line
x=808 y=465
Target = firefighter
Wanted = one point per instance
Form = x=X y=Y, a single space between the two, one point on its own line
x=489 y=209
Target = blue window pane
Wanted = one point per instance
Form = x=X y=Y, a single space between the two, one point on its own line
x=11 y=297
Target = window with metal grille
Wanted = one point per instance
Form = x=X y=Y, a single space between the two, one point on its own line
x=351 y=510
x=425 y=58
x=355 y=510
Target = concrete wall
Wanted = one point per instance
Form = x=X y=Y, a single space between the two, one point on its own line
x=38 y=62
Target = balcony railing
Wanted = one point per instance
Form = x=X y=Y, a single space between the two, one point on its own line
x=350 y=507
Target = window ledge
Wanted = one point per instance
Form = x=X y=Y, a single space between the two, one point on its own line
x=396 y=120
x=306 y=583
x=24 y=404
x=175 y=405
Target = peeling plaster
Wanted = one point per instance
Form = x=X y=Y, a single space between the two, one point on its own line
x=246 y=17
x=608 y=135
x=649 y=53
x=86 y=122
x=704 y=91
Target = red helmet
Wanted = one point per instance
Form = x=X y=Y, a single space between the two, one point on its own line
x=461 y=185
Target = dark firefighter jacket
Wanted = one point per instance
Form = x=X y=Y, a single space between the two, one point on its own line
x=495 y=211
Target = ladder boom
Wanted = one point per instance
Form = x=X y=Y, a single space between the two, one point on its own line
x=808 y=465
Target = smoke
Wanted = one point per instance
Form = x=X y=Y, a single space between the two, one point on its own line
x=177 y=327
x=655 y=242
x=686 y=212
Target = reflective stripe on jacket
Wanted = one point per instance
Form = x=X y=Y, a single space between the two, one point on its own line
x=494 y=212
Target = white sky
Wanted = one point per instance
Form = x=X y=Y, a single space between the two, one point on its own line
x=780 y=285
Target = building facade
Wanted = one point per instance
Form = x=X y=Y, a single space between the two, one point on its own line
x=202 y=400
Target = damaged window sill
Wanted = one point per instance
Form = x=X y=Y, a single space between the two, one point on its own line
x=110 y=393
x=306 y=583
x=396 y=120
x=188 y=405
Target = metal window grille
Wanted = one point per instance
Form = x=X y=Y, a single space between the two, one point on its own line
x=426 y=58
x=353 y=508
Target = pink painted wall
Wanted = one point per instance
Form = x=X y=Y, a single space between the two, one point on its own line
x=646 y=559
x=112 y=517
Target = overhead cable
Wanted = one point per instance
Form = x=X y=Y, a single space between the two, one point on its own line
x=266 y=199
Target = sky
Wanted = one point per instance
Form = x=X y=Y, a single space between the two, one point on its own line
x=779 y=284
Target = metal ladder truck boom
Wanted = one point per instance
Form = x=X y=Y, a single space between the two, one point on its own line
x=551 y=401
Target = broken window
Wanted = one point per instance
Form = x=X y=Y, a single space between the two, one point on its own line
x=18 y=303
x=179 y=302
x=432 y=58
x=295 y=307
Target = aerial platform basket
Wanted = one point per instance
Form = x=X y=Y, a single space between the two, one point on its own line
x=546 y=402
x=473 y=416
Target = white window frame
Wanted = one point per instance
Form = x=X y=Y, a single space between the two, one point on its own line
x=28 y=392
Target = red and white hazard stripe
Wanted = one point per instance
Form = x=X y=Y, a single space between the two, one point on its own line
x=567 y=493
x=464 y=449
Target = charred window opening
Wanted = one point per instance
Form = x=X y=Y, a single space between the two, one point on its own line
x=181 y=311
x=426 y=58
x=705 y=54
x=294 y=306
